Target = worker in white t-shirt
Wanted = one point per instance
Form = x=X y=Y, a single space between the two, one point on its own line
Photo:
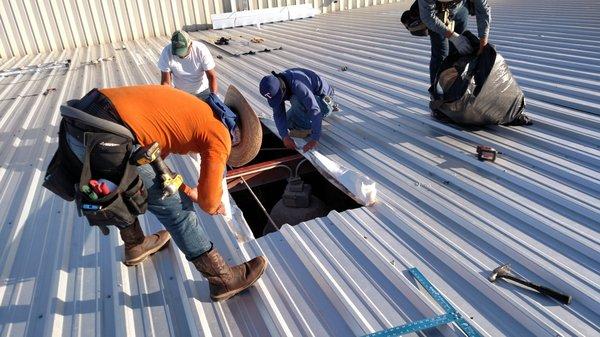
x=188 y=66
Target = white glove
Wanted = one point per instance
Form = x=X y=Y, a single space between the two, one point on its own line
x=462 y=44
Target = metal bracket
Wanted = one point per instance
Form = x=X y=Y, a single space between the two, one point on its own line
x=451 y=315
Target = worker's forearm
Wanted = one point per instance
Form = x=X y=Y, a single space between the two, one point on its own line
x=209 y=186
x=483 y=15
x=165 y=78
x=213 y=85
x=316 y=121
x=279 y=116
x=428 y=12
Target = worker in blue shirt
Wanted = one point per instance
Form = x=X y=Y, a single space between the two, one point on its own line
x=311 y=99
x=443 y=29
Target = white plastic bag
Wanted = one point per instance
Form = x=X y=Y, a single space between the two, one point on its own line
x=360 y=186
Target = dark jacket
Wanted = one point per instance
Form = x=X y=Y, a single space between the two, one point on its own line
x=305 y=85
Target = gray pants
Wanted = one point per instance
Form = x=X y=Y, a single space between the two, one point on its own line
x=203 y=95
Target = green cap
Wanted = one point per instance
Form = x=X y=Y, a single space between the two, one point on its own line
x=180 y=42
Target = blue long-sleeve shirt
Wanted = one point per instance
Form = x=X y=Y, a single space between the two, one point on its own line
x=428 y=12
x=304 y=85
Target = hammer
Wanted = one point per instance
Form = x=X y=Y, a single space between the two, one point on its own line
x=504 y=272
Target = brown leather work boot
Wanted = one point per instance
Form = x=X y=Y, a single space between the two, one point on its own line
x=138 y=247
x=225 y=281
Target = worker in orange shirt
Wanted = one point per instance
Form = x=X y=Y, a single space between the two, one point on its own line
x=181 y=124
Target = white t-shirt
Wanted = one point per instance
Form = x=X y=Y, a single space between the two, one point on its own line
x=188 y=73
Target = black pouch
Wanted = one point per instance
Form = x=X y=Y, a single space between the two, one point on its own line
x=136 y=197
x=411 y=19
x=129 y=199
x=64 y=169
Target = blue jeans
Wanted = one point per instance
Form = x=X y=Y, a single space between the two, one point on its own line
x=299 y=119
x=439 y=44
x=176 y=212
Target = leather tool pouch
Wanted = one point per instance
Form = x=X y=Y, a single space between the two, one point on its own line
x=108 y=155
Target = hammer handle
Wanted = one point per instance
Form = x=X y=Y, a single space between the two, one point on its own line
x=562 y=298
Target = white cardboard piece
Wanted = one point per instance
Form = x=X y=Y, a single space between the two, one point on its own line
x=260 y=16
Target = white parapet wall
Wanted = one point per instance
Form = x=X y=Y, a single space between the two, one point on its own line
x=260 y=16
x=29 y=27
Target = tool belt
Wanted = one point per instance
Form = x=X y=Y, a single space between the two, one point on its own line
x=108 y=148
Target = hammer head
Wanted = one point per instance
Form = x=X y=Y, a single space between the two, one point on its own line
x=501 y=271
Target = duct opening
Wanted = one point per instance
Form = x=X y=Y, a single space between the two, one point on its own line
x=288 y=187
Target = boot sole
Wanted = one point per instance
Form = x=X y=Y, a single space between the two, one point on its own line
x=230 y=294
x=142 y=258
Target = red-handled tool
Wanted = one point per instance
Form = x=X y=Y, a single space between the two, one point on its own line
x=485 y=152
x=101 y=188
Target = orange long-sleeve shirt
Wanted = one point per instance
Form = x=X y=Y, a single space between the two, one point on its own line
x=180 y=123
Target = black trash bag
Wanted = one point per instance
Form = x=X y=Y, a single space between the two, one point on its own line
x=477 y=90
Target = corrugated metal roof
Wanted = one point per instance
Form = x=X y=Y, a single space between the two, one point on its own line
x=440 y=209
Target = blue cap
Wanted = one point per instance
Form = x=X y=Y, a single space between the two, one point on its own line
x=271 y=89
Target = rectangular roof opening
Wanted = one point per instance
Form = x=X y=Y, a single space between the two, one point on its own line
x=280 y=187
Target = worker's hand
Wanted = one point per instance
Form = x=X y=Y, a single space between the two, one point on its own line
x=220 y=210
x=310 y=145
x=449 y=34
x=462 y=44
x=482 y=43
x=191 y=192
x=289 y=142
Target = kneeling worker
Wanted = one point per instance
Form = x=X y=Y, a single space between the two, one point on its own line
x=311 y=99
x=188 y=65
x=181 y=124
